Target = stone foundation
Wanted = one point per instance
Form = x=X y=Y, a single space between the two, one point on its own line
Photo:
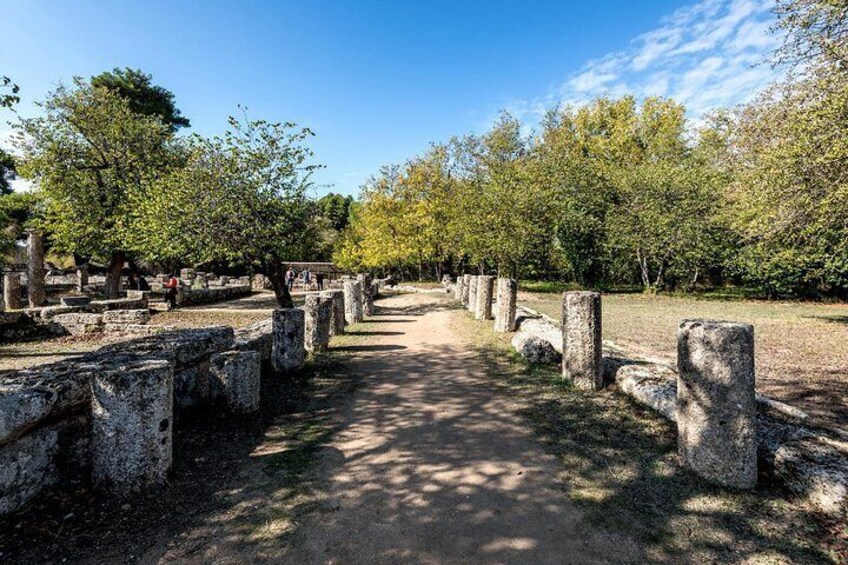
x=288 y=353
x=318 y=313
x=236 y=377
x=353 y=301
x=337 y=318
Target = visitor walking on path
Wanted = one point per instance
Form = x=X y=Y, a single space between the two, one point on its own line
x=306 y=279
x=290 y=278
x=319 y=278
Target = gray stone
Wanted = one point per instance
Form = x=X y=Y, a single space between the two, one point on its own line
x=318 y=313
x=236 y=374
x=27 y=466
x=126 y=316
x=189 y=346
x=535 y=349
x=82 y=277
x=258 y=337
x=79 y=323
x=35 y=269
x=457 y=288
x=483 y=305
x=466 y=289
x=12 y=291
x=365 y=280
x=132 y=412
x=505 y=310
x=288 y=352
x=192 y=386
x=353 y=301
x=716 y=404
x=471 y=305
x=22 y=407
x=581 y=337
x=337 y=319
x=649 y=384
x=188 y=274
x=75 y=300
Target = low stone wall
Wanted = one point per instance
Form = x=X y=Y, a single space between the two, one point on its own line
x=195 y=296
x=46 y=412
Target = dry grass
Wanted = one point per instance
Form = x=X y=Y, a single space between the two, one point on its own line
x=619 y=463
x=801 y=347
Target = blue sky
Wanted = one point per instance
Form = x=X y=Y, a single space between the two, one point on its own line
x=379 y=81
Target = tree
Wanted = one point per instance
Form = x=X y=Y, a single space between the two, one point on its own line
x=240 y=198
x=144 y=97
x=7 y=172
x=8 y=92
x=92 y=158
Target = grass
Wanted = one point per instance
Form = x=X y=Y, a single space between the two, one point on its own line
x=619 y=464
x=801 y=347
x=200 y=318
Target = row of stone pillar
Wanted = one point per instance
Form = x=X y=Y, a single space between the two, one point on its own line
x=716 y=403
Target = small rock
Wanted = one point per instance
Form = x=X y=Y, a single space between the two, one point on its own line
x=535 y=349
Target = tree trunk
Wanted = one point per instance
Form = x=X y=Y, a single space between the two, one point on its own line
x=277 y=275
x=643 y=265
x=113 y=275
x=694 y=282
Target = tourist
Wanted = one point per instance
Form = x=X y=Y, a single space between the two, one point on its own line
x=142 y=284
x=306 y=279
x=171 y=291
x=319 y=278
x=290 y=278
x=132 y=283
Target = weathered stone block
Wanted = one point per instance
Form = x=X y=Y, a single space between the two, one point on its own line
x=35 y=269
x=75 y=300
x=353 y=301
x=483 y=305
x=27 y=466
x=317 y=313
x=288 y=352
x=457 y=288
x=581 y=337
x=190 y=346
x=12 y=291
x=535 y=349
x=366 y=280
x=506 y=300
x=126 y=316
x=22 y=407
x=257 y=337
x=337 y=318
x=716 y=403
x=79 y=323
x=466 y=289
x=131 y=426
x=471 y=305
x=236 y=374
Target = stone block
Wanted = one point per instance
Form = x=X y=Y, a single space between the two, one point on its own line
x=190 y=346
x=126 y=316
x=483 y=304
x=27 y=466
x=22 y=407
x=79 y=323
x=535 y=349
x=716 y=402
x=337 y=318
x=471 y=305
x=366 y=280
x=353 y=301
x=288 y=353
x=318 y=313
x=192 y=386
x=132 y=413
x=12 y=298
x=506 y=304
x=581 y=337
x=457 y=288
x=257 y=337
x=75 y=300
x=237 y=375
x=466 y=288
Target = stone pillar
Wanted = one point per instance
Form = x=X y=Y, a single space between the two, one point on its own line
x=483 y=306
x=337 y=318
x=353 y=301
x=466 y=287
x=318 y=312
x=35 y=269
x=716 y=406
x=287 y=351
x=471 y=305
x=12 y=291
x=581 y=339
x=365 y=280
x=132 y=409
x=82 y=277
x=505 y=311
x=457 y=288
x=236 y=377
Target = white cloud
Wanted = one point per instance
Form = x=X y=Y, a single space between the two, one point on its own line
x=707 y=55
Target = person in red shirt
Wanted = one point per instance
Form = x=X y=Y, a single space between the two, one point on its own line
x=171 y=291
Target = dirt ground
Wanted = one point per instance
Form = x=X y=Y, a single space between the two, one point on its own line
x=801 y=348
x=420 y=439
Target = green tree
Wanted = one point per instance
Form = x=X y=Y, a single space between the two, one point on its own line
x=240 y=198
x=8 y=92
x=144 y=97
x=7 y=172
x=92 y=157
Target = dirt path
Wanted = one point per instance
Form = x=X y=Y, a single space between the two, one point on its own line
x=432 y=465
